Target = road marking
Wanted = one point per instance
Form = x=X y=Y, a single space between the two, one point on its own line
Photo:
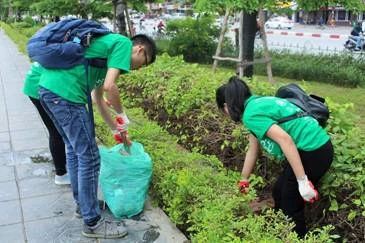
x=305 y=34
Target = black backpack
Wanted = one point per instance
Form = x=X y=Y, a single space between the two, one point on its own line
x=311 y=105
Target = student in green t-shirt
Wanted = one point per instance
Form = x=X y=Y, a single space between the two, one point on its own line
x=56 y=144
x=302 y=142
x=63 y=94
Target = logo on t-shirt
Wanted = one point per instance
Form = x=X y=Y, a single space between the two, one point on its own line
x=99 y=82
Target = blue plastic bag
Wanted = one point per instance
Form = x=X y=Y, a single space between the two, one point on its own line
x=124 y=178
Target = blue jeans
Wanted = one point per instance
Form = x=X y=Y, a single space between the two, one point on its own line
x=82 y=154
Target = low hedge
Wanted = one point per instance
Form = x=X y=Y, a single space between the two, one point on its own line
x=200 y=196
x=339 y=69
x=181 y=97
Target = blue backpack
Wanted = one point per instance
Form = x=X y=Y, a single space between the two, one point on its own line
x=62 y=45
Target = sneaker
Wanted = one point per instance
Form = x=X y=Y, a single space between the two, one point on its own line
x=62 y=180
x=102 y=206
x=105 y=229
x=78 y=212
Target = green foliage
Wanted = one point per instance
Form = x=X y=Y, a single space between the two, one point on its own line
x=181 y=88
x=195 y=39
x=20 y=33
x=340 y=69
x=346 y=180
x=96 y=8
x=273 y=5
x=200 y=196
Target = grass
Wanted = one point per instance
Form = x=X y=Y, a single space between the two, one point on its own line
x=336 y=93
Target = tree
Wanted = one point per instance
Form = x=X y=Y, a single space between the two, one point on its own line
x=251 y=7
x=120 y=12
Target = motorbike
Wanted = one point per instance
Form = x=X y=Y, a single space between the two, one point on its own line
x=351 y=43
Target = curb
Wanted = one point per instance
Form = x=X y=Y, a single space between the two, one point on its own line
x=306 y=34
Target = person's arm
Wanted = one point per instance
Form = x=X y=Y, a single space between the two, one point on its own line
x=249 y=164
x=287 y=145
x=111 y=89
x=103 y=107
x=251 y=157
x=289 y=149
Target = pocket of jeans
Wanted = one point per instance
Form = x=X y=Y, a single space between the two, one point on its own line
x=60 y=109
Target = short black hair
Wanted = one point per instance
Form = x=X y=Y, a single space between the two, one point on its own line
x=148 y=43
x=234 y=94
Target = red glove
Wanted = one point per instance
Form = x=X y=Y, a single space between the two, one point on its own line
x=122 y=122
x=243 y=186
x=119 y=139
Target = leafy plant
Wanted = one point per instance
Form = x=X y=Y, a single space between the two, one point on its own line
x=195 y=39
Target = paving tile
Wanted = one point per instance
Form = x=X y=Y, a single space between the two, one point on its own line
x=10 y=212
x=12 y=233
x=60 y=204
x=4 y=124
x=34 y=170
x=8 y=191
x=30 y=156
x=4 y=137
x=56 y=230
x=29 y=139
x=138 y=231
x=5 y=147
x=7 y=173
x=5 y=158
x=18 y=124
x=169 y=232
x=34 y=187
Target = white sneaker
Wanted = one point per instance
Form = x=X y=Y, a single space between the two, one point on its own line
x=62 y=180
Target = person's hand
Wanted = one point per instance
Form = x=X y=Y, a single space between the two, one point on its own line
x=243 y=186
x=122 y=122
x=307 y=190
x=119 y=137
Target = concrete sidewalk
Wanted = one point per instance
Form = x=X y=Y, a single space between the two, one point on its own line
x=32 y=208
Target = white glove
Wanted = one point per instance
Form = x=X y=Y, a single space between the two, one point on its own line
x=122 y=122
x=307 y=190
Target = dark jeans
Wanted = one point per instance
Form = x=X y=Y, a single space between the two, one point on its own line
x=286 y=193
x=72 y=120
x=56 y=144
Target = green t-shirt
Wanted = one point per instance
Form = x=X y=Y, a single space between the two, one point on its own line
x=262 y=112
x=71 y=83
x=31 y=80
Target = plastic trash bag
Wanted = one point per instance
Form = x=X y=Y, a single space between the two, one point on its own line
x=124 y=178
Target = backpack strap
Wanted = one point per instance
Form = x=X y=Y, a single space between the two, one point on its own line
x=93 y=62
x=295 y=116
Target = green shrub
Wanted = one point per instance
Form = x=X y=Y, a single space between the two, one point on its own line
x=200 y=196
x=339 y=69
x=195 y=39
x=186 y=92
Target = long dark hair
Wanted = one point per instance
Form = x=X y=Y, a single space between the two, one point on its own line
x=234 y=94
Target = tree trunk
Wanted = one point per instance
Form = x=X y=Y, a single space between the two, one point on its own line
x=264 y=42
x=120 y=8
x=221 y=38
x=249 y=29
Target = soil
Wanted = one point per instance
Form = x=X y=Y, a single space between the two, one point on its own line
x=317 y=214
